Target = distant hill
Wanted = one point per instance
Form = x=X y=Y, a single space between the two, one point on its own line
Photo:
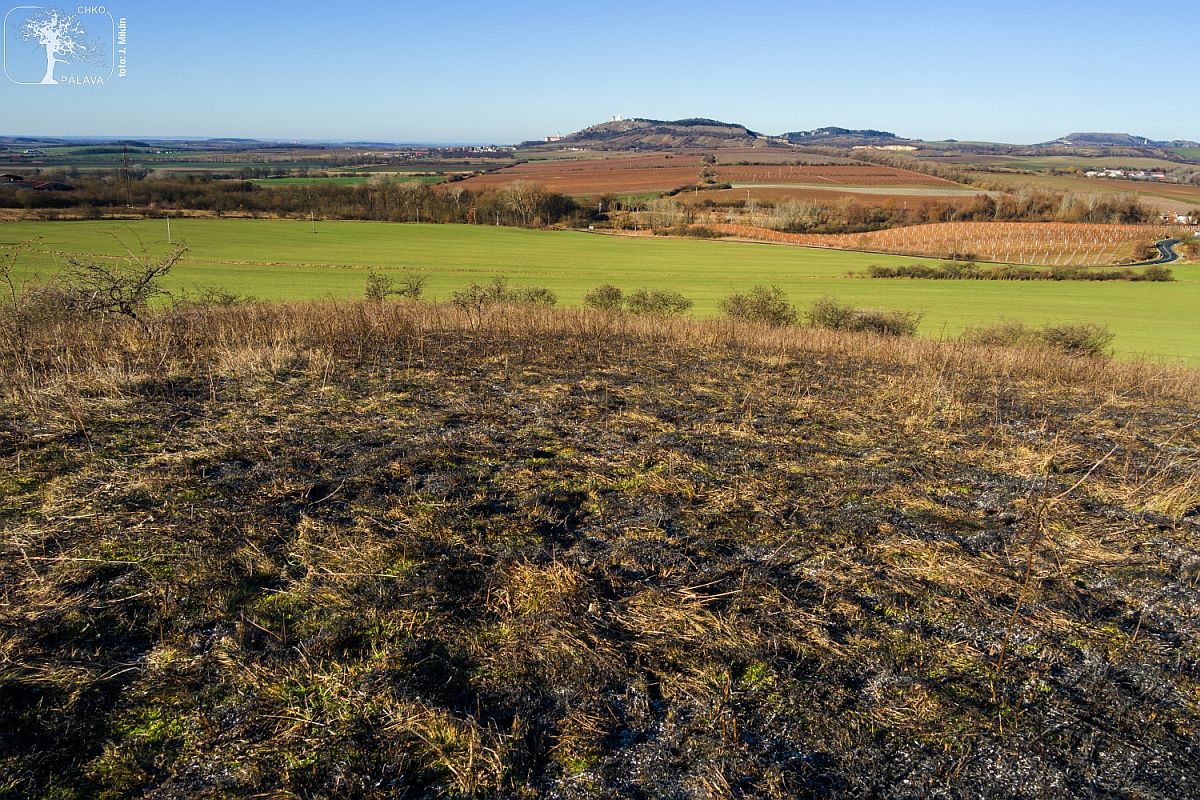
x=656 y=134
x=834 y=135
x=30 y=141
x=1117 y=140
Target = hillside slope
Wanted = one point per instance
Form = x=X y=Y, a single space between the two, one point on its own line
x=650 y=134
x=1117 y=140
x=844 y=137
x=398 y=551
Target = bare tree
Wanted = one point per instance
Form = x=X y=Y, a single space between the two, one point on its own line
x=524 y=198
x=410 y=197
x=118 y=286
x=60 y=33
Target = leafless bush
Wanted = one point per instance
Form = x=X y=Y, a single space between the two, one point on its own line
x=1075 y=339
x=605 y=298
x=380 y=286
x=829 y=313
x=124 y=285
x=412 y=285
x=657 y=302
x=765 y=304
x=476 y=297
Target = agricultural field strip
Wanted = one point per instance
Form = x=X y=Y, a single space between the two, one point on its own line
x=1149 y=319
x=667 y=172
x=931 y=191
x=1047 y=244
x=1165 y=196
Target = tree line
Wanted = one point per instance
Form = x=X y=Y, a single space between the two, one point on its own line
x=518 y=204
x=799 y=216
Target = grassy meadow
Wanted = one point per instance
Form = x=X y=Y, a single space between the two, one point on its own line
x=285 y=260
x=339 y=181
x=347 y=180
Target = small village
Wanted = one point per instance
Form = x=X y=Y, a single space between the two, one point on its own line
x=1128 y=174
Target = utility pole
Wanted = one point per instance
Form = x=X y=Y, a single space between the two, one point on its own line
x=169 y=231
x=312 y=217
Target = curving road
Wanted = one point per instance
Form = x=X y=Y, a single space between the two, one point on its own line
x=1166 y=253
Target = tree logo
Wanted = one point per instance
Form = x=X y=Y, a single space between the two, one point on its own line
x=55 y=47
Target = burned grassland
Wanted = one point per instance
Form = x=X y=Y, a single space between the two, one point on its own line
x=400 y=550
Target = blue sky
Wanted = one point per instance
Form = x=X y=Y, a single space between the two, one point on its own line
x=502 y=72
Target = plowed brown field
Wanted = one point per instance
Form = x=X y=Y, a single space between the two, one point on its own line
x=833 y=174
x=657 y=173
x=662 y=173
x=912 y=197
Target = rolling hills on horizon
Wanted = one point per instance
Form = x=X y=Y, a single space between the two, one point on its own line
x=636 y=133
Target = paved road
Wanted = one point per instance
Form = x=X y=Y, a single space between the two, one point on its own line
x=1166 y=252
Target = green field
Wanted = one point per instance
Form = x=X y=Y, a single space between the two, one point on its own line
x=278 y=260
x=347 y=180
x=340 y=181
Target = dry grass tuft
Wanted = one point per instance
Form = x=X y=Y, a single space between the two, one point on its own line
x=404 y=550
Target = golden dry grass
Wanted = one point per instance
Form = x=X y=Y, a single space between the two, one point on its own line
x=381 y=550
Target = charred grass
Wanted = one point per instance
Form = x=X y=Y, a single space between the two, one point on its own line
x=400 y=550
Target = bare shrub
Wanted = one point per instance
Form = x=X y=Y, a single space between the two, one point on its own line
x=605 y=298
x=1075 y=339
x=123 y=286
x=412 y=285
x=535 y=295
x=765 y=304
x=1002 y=334
x=1083 y=339
x=657 y=302
x=379 y=286
x=1158 y=274
x=829 y=313
x=475 y=297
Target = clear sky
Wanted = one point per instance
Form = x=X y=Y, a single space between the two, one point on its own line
x=470 y=71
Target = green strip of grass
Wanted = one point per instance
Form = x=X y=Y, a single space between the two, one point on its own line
x=284 y=260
